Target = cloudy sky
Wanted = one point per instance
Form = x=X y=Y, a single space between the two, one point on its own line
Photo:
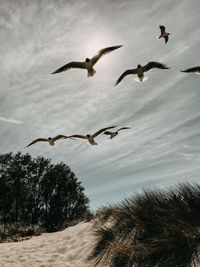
x=162 y=147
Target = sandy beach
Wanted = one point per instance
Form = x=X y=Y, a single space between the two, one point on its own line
x=67 y=248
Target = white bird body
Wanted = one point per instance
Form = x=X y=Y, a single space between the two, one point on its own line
x=140 y=73
x=91 y=141
x=89 y=67
x=164 y=35
x=113 y=135
x=51 y=142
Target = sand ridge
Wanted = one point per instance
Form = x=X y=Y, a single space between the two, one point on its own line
x=67 y=248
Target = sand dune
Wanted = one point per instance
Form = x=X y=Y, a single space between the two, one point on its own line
x=68 y=248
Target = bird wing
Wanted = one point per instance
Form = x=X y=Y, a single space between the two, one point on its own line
x=154 y=64
x=103 y=52
x=107 y=133
x=166 y=38
x=162 y=28
x=194 y=69
x=71 y=65
x=77 y=136
x=101 y=131
x=127 y=72
x=59 y=137
x=38 y=140
x=123 y=128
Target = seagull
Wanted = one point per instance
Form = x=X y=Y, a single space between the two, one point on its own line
x=192 y=70
x=164 y=34
x=51 y=140
x=113 y=134
x=89 y=137
x=88 y=63
x=140 y=71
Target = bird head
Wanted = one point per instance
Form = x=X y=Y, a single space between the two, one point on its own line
x=87 y=60
x=49 y=138
x=139 y=66
x=88 y=135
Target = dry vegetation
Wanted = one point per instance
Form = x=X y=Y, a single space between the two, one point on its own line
x=151 y=229
x=18 y=232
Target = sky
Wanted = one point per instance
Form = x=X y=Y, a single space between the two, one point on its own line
x=161 y=149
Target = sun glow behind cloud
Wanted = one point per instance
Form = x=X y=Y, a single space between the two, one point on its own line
x=99 y=41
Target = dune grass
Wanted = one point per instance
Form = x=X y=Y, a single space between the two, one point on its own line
x=15 y=232
x=155 y=228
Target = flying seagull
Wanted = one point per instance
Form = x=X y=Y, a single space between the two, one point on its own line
x=113 y=134
x=140 y=70
x=88 y=63
x=193 y=70
x=51 y=140
x=164 y=34
x=89 y=137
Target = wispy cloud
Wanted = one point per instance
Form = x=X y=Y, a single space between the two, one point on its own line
x=163 y=112
x=10 y=120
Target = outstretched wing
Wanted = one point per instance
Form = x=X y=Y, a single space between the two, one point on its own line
x=127 y=72
x=77 y=136
x=71 y=65
x=162 y=28
x=156 y=65
x=102 y=130
x=166 y=38
x=60 y=136
x=37 y=140
x=194 y=69
x=123 y=128
x=103 y=52
x=107 y=133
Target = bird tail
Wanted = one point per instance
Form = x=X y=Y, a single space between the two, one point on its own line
x=91 y=73
x=142 y=79
x=52 y=144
